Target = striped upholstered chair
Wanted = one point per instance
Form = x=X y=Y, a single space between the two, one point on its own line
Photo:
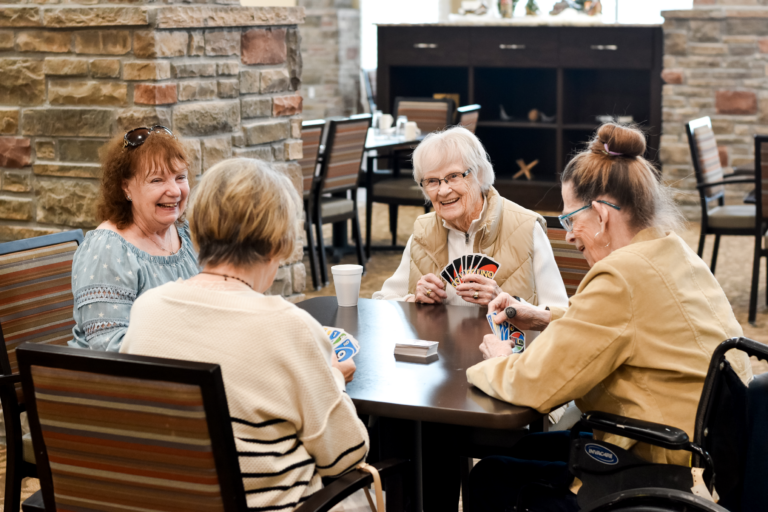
x=35 y=306
x=339 y=175
x=429 y=114
x=311 y=138
x=570 y=261
x=469 y=115
x=722 y=219
x=116 y=432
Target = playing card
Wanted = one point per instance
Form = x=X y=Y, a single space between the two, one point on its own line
x=346 y=349
x=448 y=274
x=519 y=339
x=487 y=267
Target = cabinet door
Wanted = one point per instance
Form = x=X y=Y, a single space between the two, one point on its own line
x=514 y=46
x=609 y=47
x=423 y=45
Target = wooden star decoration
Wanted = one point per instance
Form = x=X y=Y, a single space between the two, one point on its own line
x=525 y=169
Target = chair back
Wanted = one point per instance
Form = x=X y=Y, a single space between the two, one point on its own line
x=429 y=114
x=311 y=136
x=570 y=261
x=36 y=301
x=468 y=116
x=344 y=149
x=126 y=432
x=761 y=180
x=706 y=159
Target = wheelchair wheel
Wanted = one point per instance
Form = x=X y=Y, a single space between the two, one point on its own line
x=653 y=499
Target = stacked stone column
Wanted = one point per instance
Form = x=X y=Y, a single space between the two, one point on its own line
x=715 y=64
x=224 y=78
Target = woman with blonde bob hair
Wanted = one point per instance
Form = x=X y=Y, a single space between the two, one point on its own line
x=635 y=341
x=470 y=216
x=292 y=421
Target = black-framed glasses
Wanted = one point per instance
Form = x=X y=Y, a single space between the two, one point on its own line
x=138 y=136
x=451 y=180
x=566 y=220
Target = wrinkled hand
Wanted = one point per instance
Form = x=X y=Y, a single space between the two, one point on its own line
x=347 y=368
x=430 y=290
x=527 y=316
x=494 y=347
x=487 y=289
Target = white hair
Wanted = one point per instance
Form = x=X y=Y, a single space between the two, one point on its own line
x=440 y=149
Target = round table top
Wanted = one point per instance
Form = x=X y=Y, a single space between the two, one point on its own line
x=436 y=392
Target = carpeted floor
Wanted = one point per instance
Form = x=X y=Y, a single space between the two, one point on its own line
x=734 y=271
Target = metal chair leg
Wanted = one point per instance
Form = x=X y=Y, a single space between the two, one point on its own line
x=714 y=253
x=368 y=222
x=702 y=239
x=321 y=248
x=755 y=277
x=358 y=239
x=312 y=251
x=393 y=222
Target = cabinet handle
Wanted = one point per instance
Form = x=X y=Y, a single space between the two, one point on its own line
x=611 y=47
x=512 y=46
x=425 y=45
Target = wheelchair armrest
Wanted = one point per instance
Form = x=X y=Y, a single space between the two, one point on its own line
x=332 y=494
x=656 y=434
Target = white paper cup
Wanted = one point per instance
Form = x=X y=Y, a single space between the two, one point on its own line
x=347 y=278
x=385 y=122
x=410 y=130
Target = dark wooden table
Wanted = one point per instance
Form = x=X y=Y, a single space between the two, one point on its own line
x=421 y=406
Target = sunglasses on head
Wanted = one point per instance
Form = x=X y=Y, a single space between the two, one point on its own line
x=138 y=136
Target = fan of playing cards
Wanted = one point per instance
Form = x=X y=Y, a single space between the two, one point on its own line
x=470 y=264
x=507 y=332
x=343 y=343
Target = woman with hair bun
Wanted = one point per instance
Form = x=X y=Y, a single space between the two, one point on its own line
x=636 y=339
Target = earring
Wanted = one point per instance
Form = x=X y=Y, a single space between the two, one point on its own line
x=599 y=242
x=128 y=198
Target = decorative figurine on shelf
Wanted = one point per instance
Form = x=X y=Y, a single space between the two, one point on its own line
x=531 y=8
x=590 y=7
x=476 y=7
x=525 y=169
x=559 y=7
x=503 y=114
x=535 y=115
x=507 y=8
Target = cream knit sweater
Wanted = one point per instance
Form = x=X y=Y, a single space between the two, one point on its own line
x=292 y=420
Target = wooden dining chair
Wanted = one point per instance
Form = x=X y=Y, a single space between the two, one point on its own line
x=311 y=138
x=430 y=114
x=722 y=219
x=570 y=261
x=127 y=432
x=339 y=177
x=761 y=221
x=35 y=306
x=469 y=116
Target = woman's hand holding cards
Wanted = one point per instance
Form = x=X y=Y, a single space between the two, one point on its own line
x=492 y=347
x=527 y=316
x=478 y=289
x=430 y=290
x=347 y=368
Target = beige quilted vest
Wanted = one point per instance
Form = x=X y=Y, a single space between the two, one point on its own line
x=506 y=235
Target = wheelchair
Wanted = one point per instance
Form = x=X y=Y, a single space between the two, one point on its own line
x=730 y=443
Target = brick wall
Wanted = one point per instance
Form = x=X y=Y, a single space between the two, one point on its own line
x=331 y=54
x=715 y=62
x=224 y=78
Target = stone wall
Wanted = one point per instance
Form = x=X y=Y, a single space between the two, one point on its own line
x=224 y=78
x=715 y=62
x=331 y=52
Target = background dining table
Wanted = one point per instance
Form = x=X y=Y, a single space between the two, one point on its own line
x=426 y=412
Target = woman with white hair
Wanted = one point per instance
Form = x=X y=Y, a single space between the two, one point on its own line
x=470 y=216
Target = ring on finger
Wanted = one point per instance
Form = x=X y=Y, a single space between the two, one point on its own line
x=428 y=292
x=476 y=295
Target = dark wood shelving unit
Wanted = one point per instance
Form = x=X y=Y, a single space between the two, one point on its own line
x=572 y=73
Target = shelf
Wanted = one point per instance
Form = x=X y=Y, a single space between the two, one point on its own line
x=517 y=124
x=547 y=194
x=581 y=126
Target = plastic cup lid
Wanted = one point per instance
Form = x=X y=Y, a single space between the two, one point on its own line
x=347 y=270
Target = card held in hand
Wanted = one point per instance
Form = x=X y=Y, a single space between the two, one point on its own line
x=344 y=344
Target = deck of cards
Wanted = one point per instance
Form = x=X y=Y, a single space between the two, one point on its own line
x=507 y=332
x=343 y=343
x=480 y=264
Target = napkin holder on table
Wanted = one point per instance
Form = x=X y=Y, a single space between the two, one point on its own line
x=416 y=351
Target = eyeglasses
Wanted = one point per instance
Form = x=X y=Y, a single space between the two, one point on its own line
x=138 y=136
x=451 y=180
x=567 y=222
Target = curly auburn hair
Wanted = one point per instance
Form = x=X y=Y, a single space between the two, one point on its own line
x=160 y=153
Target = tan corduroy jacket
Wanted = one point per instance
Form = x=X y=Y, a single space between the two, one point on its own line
x=506 y=235
x=636 y=341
